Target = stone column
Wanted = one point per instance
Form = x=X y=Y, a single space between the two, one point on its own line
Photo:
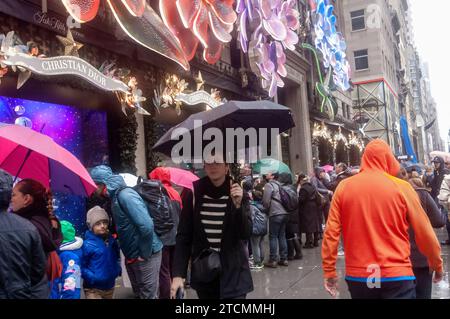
x=300 y=140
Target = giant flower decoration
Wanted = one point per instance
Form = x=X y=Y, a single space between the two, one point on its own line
x=208 y=22
x=266 y=29
x=138 y=20
x=330 y=42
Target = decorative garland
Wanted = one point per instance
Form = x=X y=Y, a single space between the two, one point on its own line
x=151 y=137
x=127 y=144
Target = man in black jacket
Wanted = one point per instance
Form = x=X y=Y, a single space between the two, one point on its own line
x=216 y=218
x=22 y=258
x=439 y=172
x=342 y=172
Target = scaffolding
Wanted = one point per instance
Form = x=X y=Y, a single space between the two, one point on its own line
x=376 y=114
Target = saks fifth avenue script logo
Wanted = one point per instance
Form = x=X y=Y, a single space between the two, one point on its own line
x=52 y=22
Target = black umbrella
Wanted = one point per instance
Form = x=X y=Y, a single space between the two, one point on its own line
x=233 y=114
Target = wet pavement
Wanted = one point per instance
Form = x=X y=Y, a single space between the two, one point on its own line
x=302 y=279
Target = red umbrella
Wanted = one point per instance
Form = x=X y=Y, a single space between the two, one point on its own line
x=26 y=153
x=180 y=176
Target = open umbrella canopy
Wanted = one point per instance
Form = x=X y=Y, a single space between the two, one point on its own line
x=444 y=155
x=25 y=153
x=182 y=177
x=233 y=114
x=328 y=168
x=270 y=165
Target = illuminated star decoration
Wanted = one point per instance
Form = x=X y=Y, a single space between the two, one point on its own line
x=324 y=87
x=71 y=47
x=199 y=80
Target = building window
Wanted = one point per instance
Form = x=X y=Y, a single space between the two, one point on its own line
x=358 y=20
x=361 y=60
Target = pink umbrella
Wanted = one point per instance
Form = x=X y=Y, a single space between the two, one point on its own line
x=182 y=177
x=328 y=168
x=26 y=153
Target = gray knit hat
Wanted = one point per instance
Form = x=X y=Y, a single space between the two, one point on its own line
x=94 y=215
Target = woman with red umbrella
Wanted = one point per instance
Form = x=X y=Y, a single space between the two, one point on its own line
x=31 y=200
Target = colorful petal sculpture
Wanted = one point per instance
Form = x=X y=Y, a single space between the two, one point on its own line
x=209 y=22
x=82 y=10
x=139 y=21
x=266 y=29
x=330 y=42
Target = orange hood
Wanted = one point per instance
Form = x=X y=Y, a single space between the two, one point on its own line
x=378 y=156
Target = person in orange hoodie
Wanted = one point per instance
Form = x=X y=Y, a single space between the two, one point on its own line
x=373 y=210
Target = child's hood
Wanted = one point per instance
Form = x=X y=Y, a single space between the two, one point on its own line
x=73 y=245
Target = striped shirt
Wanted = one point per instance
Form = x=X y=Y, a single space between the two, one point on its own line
x=212 y=214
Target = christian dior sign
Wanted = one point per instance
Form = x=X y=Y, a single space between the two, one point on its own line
x=66 y=65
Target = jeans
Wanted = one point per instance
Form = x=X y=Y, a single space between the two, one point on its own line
x=165 y=273
x=424 y=281
x=144 y=276
x=257 y=248
x=403 y=289
x=277 y=237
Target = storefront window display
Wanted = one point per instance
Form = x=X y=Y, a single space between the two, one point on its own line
x=79 y=131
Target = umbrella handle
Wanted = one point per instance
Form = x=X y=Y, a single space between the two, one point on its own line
x=21 y=165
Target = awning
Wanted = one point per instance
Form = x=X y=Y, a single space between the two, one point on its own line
x=406 y=140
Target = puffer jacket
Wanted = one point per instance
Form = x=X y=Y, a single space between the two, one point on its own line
x=134 y=225
x=101 y=262
x=444 y=193
x=69 y=285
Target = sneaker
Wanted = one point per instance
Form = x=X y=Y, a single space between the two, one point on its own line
x=257 y=266
x=283 y=263
x=341 y=252
x=271 y=264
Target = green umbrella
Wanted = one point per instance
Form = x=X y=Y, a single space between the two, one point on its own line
x=270 y=165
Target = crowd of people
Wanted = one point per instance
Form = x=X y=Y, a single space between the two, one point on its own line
x=212 y=236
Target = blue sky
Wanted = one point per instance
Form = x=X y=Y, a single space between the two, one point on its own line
x=431 y=24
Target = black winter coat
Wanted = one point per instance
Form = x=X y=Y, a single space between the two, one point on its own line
x=339 y=178
x=437 y=220
x=22 y=259
x=235 y=278
x=309 y=213
x=438 y=178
